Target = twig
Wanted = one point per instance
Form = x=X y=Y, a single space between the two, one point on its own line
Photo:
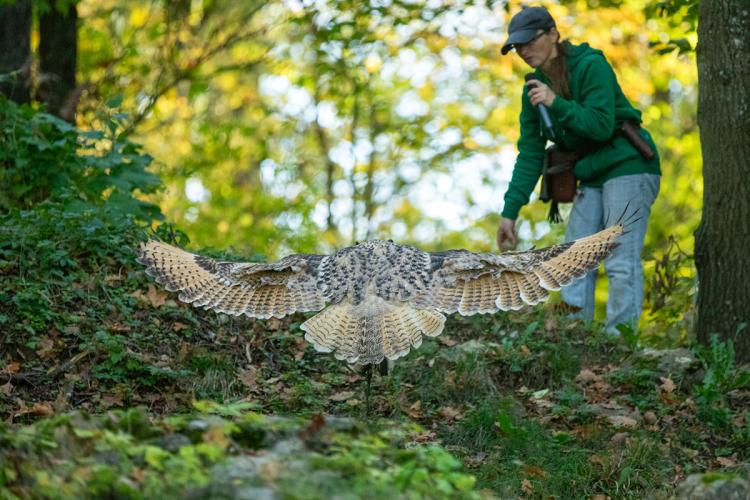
x=56 y=372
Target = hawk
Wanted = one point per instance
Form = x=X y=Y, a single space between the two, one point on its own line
x=377 y=298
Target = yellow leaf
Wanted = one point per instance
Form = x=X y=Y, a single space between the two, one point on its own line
x=139 y=16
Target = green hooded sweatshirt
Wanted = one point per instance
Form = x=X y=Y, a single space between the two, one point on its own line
x=596 y=109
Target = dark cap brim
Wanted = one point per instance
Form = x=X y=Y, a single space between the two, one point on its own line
x=520 y=36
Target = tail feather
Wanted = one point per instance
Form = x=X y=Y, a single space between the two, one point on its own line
x=371 y=331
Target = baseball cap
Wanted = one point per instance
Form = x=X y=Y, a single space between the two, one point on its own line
x=525 y=24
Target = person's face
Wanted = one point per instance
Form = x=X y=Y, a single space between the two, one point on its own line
x=539 y=49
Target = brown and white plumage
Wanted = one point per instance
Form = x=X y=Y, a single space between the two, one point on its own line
x=383 y=297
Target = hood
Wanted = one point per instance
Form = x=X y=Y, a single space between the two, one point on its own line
x=578 y=53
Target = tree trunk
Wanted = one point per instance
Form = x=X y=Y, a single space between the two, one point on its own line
x=722 y=241
x=15 y=50
x=57 y=61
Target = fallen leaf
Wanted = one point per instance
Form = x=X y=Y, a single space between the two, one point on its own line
x=249 y=377
x=138 y=474
x=109 y=400
x=622 y=421
x=178 y=327
x=727 y=461
x=650 y=417
x=539 y=394
x=72 y=330
x=585 y=376
x=543 y=403
x=425 y=437
x=534 y=471
x=667 y=385
x=526 y=487
x=6 y=389
x=316 y=423
x=611 y=405
x=46 y=347
x=447 y=341
x=274 y=324
x=112 y=278
x=415 y=410
x=341 y=396
x=42 y=409
x=156 y=297
x=476 y=460
x=596 y=459
x=12 y=367
x=449 y=413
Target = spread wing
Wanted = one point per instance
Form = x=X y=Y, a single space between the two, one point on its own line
x=471 y=283
x=256 y=290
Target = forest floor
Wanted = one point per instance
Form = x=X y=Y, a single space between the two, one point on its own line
x=109 y=388
x=519 y=405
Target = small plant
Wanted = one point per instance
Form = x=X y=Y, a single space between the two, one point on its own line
x=670 y=294
x=721 y=378
x=630 y=335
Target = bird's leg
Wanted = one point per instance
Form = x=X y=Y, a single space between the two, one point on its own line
x=384 y=367
x=368 y=371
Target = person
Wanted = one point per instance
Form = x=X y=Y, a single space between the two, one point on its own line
x=587 y=109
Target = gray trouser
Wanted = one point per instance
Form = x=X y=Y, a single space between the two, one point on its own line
x=600 y=207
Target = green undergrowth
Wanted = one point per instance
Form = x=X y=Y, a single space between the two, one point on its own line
x=223 y=452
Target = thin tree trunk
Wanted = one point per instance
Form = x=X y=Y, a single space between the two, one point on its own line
x=722 y=241
x=370 y=185
x=57 y=61
x=15 y=50
x=353 y=175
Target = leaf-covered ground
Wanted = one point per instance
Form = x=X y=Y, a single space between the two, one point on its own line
x=110 y=388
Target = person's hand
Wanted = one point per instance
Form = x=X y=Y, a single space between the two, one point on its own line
x=506 y=234
x=539 y=93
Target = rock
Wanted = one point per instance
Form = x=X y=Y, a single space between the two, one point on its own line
x=172 y=442
x=618 y=438
x=617 y=415
x=675 y=363
x=473 y=346
x=340 y=424
x=242 y=477
x=195 y=429
x=650 y=417
x=288 y=446
x=713 y=486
